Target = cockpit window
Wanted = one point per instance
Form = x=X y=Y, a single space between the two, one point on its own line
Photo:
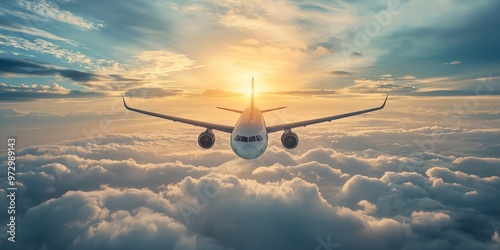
x=248 y=138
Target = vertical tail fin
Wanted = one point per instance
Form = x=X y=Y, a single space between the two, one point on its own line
x=251 y=101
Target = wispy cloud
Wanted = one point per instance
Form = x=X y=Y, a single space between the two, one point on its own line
x=320 y=92
x=52 y=11
x=152 y=92
x=217 y=93
x=15 y=27
x=452 y=63
x=156 y=64
x=45 y=47
x=407 y=77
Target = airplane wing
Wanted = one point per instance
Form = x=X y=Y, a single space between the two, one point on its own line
x=207 y=125
x=271 y=129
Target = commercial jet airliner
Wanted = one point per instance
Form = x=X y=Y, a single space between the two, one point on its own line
x=249 y=136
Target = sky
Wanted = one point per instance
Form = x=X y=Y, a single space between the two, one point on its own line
x=423 y=173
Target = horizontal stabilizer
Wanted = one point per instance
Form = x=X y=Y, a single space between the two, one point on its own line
x=269 y=110
x=232 y=110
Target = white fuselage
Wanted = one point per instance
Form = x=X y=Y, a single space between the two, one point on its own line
x=249 y=137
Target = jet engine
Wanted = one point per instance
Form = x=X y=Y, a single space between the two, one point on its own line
x=290 y=140
x=206 y=139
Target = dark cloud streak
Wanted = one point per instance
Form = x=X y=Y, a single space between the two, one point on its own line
x=31 y=68
x=341 y=73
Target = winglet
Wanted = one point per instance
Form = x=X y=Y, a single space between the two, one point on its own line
x=124 y=103
x=383 y=105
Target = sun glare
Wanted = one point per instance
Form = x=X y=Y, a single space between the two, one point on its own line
x=243 y=84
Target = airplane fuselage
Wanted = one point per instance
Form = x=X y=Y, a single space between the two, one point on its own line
x=249 y=137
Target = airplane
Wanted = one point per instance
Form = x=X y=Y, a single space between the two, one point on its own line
x=249 y=137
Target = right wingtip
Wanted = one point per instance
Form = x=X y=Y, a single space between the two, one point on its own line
x=383 y=105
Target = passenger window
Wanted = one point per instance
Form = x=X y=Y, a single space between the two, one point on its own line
x=251 y=139
x=244 y=139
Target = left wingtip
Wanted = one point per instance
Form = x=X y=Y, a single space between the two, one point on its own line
x=124 y=103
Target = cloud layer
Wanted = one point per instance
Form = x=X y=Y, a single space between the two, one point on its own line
x=117 y=191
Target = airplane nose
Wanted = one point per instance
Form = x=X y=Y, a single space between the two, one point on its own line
x=249 y=152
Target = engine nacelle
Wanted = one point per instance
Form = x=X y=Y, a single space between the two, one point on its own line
x=206 y=139
x=290 y=140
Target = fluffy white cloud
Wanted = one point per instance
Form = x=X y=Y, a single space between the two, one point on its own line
x=399 y=185
x=55 y=88
x=140 y=191
x=429 y=223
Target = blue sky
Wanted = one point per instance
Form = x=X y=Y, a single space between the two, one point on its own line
x=423 y=173
x=109 y=47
